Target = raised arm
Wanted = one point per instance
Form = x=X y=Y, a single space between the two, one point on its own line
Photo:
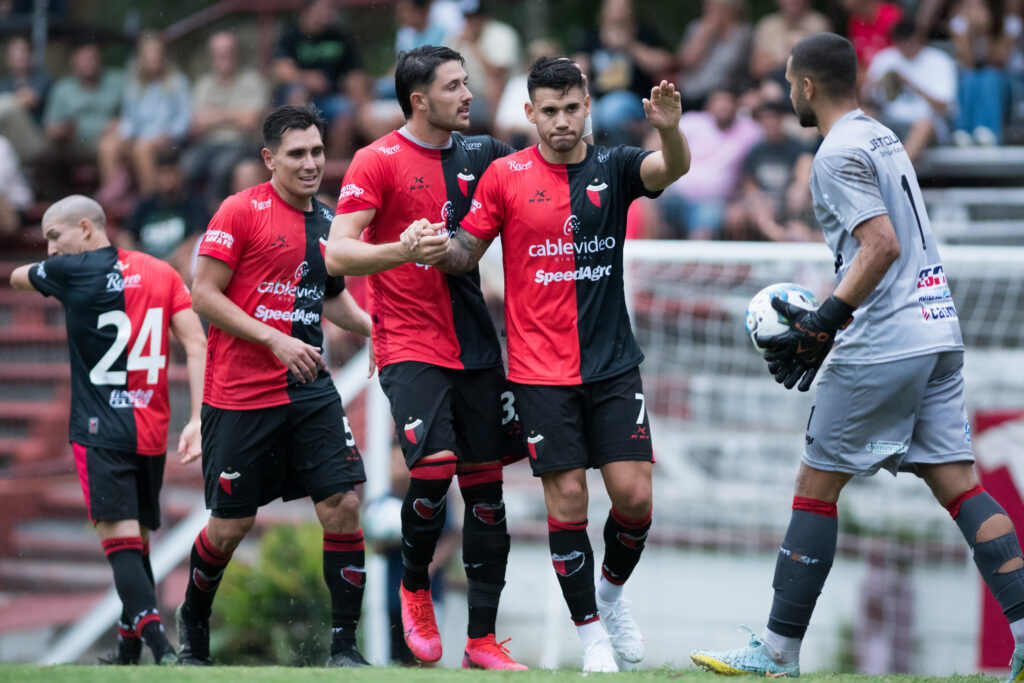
x=188 y=330
x=664 y=167
x=208 y=300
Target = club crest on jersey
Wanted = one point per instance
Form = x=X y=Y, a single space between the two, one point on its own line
x=226 y=478
x=203 y=582
x=465 y=178
x=568 y=564
x=594 y=193
x=535 y=444
x=428 y=509
x=488 y=513
x=354 y=575
x=413 y=430
x=632 y=541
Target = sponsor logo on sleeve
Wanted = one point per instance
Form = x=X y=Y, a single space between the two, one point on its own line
x=350 y=190
x=471 y=146
x=220 y=238
x=388 y=151
x=261 y=206
x=603 y=156
x=517 y=166
x=934 y=296
x=117 y=282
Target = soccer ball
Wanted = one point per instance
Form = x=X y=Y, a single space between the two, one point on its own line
x=765 y=320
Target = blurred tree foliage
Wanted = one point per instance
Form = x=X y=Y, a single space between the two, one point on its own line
x=276 y=610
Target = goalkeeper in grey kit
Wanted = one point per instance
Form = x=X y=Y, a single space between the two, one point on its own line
x=892 y=396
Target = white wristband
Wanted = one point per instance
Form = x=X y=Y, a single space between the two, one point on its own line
x=588 y=126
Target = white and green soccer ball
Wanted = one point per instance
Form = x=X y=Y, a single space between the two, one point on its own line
x=765 y=320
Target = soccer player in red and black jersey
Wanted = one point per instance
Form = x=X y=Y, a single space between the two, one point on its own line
x=119 y=306
x=560 y=209
x=273 y=423
x=436 y=346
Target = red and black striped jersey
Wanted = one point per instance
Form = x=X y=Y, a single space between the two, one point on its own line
x=562 y=229
x=419 y=313
x=118 y=306
x=277 y=254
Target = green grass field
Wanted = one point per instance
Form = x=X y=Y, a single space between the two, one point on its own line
x=240 y=674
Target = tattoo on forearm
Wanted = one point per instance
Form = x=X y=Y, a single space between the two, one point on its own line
x=463 y=253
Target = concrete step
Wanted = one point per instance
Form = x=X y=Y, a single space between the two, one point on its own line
x=49 y=539
x=41 y=576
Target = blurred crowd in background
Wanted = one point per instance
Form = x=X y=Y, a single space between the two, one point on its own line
x=161 y=148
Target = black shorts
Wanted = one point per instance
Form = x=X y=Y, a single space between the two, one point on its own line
x=251 y=457
x=469 y=412
x=120 y=485
x=585 y=425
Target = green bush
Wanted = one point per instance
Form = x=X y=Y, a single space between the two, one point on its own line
x=276 y=611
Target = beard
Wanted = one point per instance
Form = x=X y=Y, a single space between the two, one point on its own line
x=565 y=144
x=805 y=115
x=445 y=121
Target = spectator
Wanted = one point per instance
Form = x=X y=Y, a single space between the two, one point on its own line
x=15 y=193
x=316 y=61
x=983 y=37
x=22 y=97
x=776 y=33
x=82 y=107
x=510 y=122
x=775 y=200
x=166 y=223
x=415 y=26
x=622 y=58
x=714 y=52
x=694 y=206
x=227 y=108
x=154 y=115
x=914 y=87
x=869 y=28
x=247 y=173
x=491 y=49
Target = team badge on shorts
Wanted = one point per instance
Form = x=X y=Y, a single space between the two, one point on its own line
x=568 y=564
x=535 y=444
x=226 y=478
x=413 y=430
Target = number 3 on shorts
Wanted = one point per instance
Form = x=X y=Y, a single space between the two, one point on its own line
x=508 y=407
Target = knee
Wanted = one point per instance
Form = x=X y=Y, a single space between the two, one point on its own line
x=635 y=502
x=226 y=534
x=339 y=513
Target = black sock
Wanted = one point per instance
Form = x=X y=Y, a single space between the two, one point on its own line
x=206 y=567
x=485 y=547
x=345 y=575
x=624 y=539
x=804 y=561
x=423 y=517
x=135 y=590
x=573 y=559
x=146 y=563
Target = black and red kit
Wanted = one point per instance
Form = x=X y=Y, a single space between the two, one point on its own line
x=118 y=305
x=276 y=253
x=562 y=229
x=420 y=313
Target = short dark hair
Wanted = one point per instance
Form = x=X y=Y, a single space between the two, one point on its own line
x=557 y=73
x=288 y=117
x=830 y=61
x=417 y=69
x=903 y=29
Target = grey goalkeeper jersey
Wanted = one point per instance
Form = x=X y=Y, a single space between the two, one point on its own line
x=862 y=171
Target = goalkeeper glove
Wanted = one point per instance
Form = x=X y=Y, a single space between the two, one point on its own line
x=799 y=352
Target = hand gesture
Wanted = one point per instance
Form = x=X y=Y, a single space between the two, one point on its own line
x=799 y=352
x=427 y=242
x=301 y=359
x=664 y=108
x=190 y=445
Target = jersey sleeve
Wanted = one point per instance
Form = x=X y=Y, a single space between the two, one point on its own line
x=50 y=277
x=487 y=209
x=630 y=159
x=848 y=187
x=334 y=287
x=500 y=149
x=225 y=236
x=365 y=183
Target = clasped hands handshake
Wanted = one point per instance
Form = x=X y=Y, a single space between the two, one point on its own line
x=427 y=242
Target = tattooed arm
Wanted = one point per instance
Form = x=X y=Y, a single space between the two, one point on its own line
x=461 y=255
